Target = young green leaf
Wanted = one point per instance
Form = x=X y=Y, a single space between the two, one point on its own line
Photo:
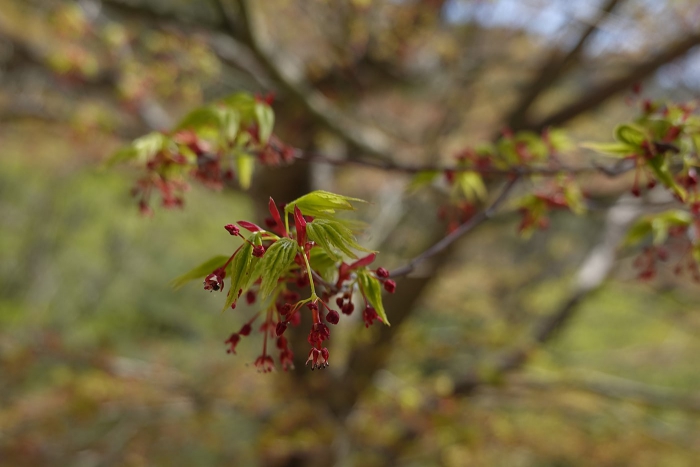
x=245 y=163
x=199 y=118
x=323 y=264
x=266 y=120
x=321 y=203
x=334 y=238
x=659 y=166
x=630 y=135
x=372 y=290
x=149 y=145
x=472 y=185
x=612 y=149
x=241 y=268
x=276 y=262
x=200 y=271
x=122 y=155
x=422 y=179
x=638 y=232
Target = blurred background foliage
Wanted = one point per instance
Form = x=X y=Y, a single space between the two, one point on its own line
x=102 y=363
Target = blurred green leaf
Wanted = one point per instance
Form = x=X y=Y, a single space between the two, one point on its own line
x=472 y=185
x=322 y=263
x=266 y=121
x=201 y=117
x=200 y=271
x=630 y=135
x=422 y=179
x=611 y=149
x=659 y=165
x=245 y=164
x=372 y=290
x=240 y=269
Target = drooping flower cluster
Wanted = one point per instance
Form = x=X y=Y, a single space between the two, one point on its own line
x=273 y=267
x=214 y=145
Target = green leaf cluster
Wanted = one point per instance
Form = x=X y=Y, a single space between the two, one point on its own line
x=221 y=124
x=322 y=204
x=657 y=226
x=334 y=237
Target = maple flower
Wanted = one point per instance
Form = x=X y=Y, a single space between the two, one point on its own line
x=264 y=364
x=233 y=342
x=319 y=333
x=318 y=358
x=215 y=280
x=232 y=229
x=369 y=315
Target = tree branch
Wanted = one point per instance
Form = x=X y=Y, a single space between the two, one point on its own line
x=552 y=69
x=605 y=91
x=591 y=275
x=459 y=232
x=617 y=388
x=367 y=139
x=520 y=170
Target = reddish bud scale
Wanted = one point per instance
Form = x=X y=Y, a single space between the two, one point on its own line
x=274 y=212
x=258 y=251
x=249 y=226
x=300 y=224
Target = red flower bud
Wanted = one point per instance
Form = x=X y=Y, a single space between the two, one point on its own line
x=258 y=251
x=286 y=309
x=390 y=286
x=333 y=317
x=250 y=297
x=281 y=327
x=348 y=308
x=233 y=342
x=245 y=329
x=383 y=273
x=369 y=315
x=232 y=229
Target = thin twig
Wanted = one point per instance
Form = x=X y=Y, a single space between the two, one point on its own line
x=552 y=69
x=368 y=139
x=518 y=170
x=459 y=232
x=597 y=96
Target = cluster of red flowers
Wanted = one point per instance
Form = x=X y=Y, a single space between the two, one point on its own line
x=286 y=306
x=189 y=154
